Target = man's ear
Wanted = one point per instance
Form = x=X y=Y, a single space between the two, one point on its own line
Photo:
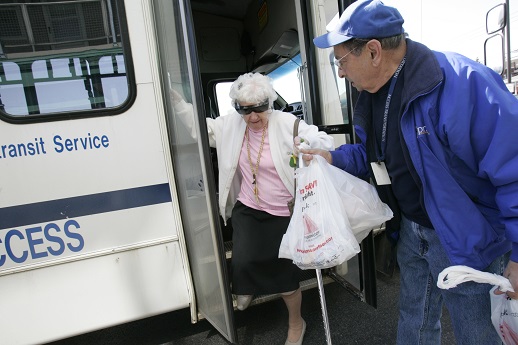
x=374 y=49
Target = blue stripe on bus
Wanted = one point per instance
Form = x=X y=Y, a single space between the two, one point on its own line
x=84 y=205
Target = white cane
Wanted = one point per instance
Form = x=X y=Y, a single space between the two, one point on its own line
x=320 y=288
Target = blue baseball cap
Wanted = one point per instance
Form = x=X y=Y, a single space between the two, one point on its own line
x=363 y=19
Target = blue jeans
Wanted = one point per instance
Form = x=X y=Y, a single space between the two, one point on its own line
x=421 y=258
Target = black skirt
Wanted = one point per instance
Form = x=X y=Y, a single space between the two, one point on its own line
x=256 y=267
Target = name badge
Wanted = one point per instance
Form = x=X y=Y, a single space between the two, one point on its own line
x=380 y=173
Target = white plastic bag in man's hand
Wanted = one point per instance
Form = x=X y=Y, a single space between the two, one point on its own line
x=363 y=207
x=319 y=235
x=504 y=316
x=504 y=310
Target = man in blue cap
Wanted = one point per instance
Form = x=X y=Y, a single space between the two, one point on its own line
x=437 y=135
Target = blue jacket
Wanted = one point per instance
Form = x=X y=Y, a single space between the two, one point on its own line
x=460 y=124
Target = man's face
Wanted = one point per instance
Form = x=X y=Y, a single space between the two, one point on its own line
x=353 y=67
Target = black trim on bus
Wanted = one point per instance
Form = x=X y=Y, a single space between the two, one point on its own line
x=82 y=114
x=307 y=32
x=83 y=205
x=352 y=93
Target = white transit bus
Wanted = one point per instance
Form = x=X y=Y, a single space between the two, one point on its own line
x=108 y=208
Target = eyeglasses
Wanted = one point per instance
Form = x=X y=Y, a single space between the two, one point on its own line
x=338 y=63
x=256 y=108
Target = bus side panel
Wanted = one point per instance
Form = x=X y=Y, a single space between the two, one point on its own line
x=56 y=302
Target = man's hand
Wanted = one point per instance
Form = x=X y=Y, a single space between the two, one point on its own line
x=309 y=153
x=511 y=273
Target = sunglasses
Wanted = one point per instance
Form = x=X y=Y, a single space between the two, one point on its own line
x=256 y=108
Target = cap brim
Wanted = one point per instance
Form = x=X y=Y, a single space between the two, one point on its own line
x=330 y=39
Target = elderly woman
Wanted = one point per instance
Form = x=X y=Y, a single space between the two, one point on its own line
x=254 y=145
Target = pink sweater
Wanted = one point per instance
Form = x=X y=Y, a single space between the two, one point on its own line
x=273 y=195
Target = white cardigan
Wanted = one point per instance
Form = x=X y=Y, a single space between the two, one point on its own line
x=226 y=134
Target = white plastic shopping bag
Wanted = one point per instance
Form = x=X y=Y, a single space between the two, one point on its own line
x=320 y=234
x=504 y=310
x=504 y=315
x=363 y=207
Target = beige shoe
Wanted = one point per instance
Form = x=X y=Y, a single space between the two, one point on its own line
x=298 y=342
x=243 y=301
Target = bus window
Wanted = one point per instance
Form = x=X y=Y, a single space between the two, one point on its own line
x=342 y=90
x=223 y=99
x=285 y=80
x=61 y=57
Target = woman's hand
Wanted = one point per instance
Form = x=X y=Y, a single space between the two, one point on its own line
x=296 y=144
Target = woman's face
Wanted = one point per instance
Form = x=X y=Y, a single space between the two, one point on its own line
x=255 y=115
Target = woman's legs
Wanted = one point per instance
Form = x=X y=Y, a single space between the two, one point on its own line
x=293 y=300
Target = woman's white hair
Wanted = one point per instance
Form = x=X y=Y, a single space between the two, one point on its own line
x=252 y=88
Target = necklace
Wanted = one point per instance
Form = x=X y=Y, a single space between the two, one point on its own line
x=256 y=168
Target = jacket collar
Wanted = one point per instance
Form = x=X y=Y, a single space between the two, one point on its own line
x=422 y=74
x=422 y=71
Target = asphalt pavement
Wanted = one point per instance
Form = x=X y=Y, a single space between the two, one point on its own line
x=351 y=322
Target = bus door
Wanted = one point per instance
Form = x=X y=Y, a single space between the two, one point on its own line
x=195 y=182
x=328 y=102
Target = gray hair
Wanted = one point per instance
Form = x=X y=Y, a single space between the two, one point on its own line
x=387 y=43
x=252 y=88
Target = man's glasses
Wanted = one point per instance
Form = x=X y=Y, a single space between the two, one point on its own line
x=256 y=108
x=338 y=63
